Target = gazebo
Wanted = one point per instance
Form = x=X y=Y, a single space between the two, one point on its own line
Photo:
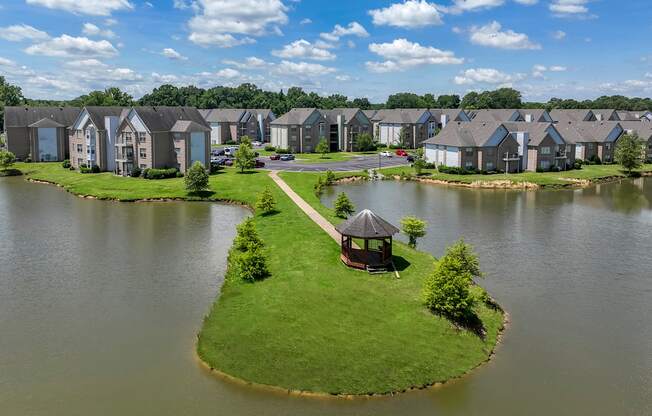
x=377 y=236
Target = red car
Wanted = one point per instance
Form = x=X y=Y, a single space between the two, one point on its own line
x=401 y=152
x=275 y=157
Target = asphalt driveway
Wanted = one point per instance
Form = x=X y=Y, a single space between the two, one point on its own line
x=355 y=163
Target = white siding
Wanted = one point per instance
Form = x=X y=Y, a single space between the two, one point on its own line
x=452 y=157
x=197 y=148
x=215 y=133
x=390 y=133
x=579 y=151
x=430 y=153
x=279 y=137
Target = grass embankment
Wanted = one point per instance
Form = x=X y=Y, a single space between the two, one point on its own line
x=313 y=325
x=588 y=174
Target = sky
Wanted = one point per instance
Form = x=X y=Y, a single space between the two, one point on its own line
x=60 y=49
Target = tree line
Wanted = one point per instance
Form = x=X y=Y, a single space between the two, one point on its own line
x=251 y=96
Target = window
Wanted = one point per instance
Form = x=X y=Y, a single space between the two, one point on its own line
x=80 y=162
x=177 y=150
x=545 y=150
x=607 y=146
x=141 y=137
x=80 y=148
x=591 y=146
x=469 y=151
x=468 y=164
x=321 y=130
x=142 y=153
x=545 y=164
x=127 y=136
x=490 y=165
x=143 y=166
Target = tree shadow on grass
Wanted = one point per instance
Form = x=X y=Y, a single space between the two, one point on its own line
x=248 y=172
x=10 y=172
x=201 y=194
x=270 y=213
x=469 y=322
x=400 y=263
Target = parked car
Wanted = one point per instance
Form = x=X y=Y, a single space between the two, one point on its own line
x=219 y=160
x=218 y=152
x=228 y=162
x=385 y=154
x=287 y=157
x=410 y=158
x=275 y=157
x=401 y=152
x=256 y=143
x=230 y=151
x=259 y=164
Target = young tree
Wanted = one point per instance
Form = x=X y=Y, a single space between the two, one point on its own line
x=245 y=158
x=7 y=159
x=343 y=206
x=365 y=143
x=247 y=238
x=330 y=178
x=447 y=290
x=630 y=152
x=414 y=228
x=196 y=178
x=266 y=202
x=322 y=147
x=318 y=187
x=252 y=265
x=419 y=163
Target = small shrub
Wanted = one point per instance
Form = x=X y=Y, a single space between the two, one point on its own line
x=66 y=164
x=395 y=146
x=136 y=172
x=540 y=169
x=282 y=151
x=270 y=148
x=330 y=178
x=381 y=145
x=318 y=187
x=230 y=142
x=7 y=159
x=414 y=228
x=252 y=265
x=154 y=174
x=197 y=178
x=71 y=167
x=180 y=174
x=343 y=206
x=266 y=203
x=95 y=169
x=365 y=143
x=247 y=238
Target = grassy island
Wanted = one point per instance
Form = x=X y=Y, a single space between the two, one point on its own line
x=313 y=325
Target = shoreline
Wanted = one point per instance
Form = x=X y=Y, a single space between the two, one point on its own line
x=278 y=389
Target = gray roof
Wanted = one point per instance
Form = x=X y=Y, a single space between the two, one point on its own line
x=586 y=131
x=164 y=118
x=97 y=114
x=348 y=114
x=607 y=114
x=537 y=132
x=498 y=114
x=400 y=115
x=294 y=116
x=186 y=126
x=454 y=114
x=370 y=114
x=461 y=134
x=46 y=123
x=563 y=115
x=224 y=115
x=641 y=129
x=24 y=116
x=366 y=224
x=538 y=114
x=634 y=115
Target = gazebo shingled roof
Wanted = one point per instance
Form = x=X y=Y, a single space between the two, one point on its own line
x=366 y=224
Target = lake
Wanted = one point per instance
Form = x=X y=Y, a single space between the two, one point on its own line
x=100 y=302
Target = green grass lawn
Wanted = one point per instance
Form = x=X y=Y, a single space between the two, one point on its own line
x=330 y=157
x=544 y=179
x=313 y=325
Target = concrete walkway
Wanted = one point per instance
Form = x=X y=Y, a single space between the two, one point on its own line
x=305 y=207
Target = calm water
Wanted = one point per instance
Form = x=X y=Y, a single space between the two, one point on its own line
x=100 y=302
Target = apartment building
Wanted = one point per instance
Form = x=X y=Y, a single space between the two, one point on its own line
x=92 y=137
x=161 y=137
x=416 y=124
x=231 y=124
x=39 y=133
x=592 y=139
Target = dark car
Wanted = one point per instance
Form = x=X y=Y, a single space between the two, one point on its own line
x=287 y=157
x=410 y=158
x=228 y=162
x=275 y=157
x=218 y=160
x=259 y=164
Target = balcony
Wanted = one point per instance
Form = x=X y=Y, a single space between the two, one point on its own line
x=561 y=155
x=511 y=157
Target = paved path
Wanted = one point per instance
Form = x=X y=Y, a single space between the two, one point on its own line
x=305 y=207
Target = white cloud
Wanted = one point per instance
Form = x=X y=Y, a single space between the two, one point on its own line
x=402 y=54
x=474 y=5
x=216 y=21
x=409 y=14
x=251 y=62
x=343 y=78
x=557 y=68
x=303 y=49
x=353 y=29
x=492 y=36
x=6 y=62
x=569 y=8
x=538 y=71
x=559 y=35
x=110 y=22
x=66 y=46
x=228 y=73
x=302 y=69
x=16 y=33
x=485 y=76
x=527 y=2
x=90 y=7
x=172 y=54
x=90 y=29
x=305 y=21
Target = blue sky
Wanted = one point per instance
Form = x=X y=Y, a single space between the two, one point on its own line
x=562 y=48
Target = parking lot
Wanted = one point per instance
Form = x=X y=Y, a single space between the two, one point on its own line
x=353 y=164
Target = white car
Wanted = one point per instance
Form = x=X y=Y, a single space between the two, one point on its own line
x=230 y=151
x=386 y=154
x=256 y=144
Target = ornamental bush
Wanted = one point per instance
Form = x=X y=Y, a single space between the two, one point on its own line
x=343 y=206
x=154 y=174
x=414 y=228
x=66 y=164
x=330 y=178
x=247 y=237
x=7 y=159
x=269 y=148
x=135 y=172
x=196 y=178
x=252 y=265
x=266 y=203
